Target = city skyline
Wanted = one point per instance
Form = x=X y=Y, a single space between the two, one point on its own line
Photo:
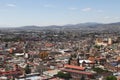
x=14 y=13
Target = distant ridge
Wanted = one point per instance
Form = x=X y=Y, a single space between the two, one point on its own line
x=81 y=26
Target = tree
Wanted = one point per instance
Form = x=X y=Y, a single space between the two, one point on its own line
x=66 y=76
x=74 y=55
x=111 y=78
x=43 y=54
x=98 y=70
x=27 y=69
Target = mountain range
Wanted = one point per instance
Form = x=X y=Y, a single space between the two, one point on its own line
x=82 y=26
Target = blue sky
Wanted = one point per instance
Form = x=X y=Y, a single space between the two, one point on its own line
x=17 y=13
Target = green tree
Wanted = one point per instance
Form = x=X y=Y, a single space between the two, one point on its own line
x=98 y=70
x=27 y=69
x=74 y=56
x=66 y=76
x=111 y=78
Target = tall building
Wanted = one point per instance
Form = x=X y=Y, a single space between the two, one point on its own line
x=109 y=41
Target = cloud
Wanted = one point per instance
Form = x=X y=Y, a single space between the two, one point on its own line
x=11 y=5
x=107 y=17
x=114 y=18
x=87 y=9
x=72 y=8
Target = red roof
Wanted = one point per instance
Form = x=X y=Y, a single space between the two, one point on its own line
x=10 y=72
x=49 y=44
x=78 y=72
x=74 y=67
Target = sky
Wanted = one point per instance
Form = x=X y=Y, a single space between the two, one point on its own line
x=15 y=13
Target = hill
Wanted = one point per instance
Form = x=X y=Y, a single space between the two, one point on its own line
x=81 y=26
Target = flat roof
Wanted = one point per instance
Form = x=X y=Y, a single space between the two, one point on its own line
x=78 y=72
x=74 y=67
